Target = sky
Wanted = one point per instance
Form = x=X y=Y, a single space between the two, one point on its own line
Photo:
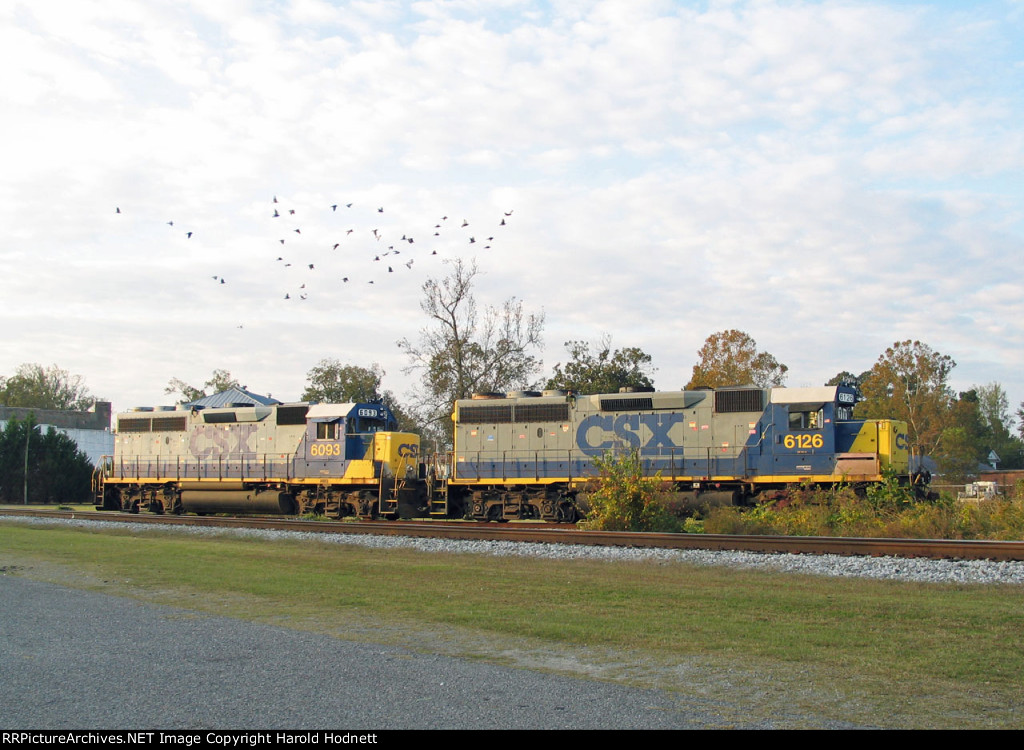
x=829 y=177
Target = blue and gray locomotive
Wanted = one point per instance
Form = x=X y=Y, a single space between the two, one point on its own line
x=334 y=459
x=530 y=455
x=527 y=455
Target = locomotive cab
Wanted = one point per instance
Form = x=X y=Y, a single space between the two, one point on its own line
x=345 y=431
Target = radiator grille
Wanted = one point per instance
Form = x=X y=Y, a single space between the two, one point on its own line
x=636 y=403
x=292 y=414
x=747 y=399
x=135 y=424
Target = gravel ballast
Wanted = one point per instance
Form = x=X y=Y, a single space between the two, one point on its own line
x=890 y=568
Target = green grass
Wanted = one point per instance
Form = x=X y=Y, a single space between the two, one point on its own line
x=884 y=653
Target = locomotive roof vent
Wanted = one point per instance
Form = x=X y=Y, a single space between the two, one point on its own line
x=484 y=395
x=165 y=408
x=523 y=394
x=555 y=392
x=636 y=389
x=142 y=408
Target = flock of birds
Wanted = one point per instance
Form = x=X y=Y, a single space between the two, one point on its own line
x=342 y=236
x=368 y=250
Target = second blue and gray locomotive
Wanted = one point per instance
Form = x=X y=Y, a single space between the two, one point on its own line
x=531 y=455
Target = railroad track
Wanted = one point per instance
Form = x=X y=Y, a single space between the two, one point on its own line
x=526 y=532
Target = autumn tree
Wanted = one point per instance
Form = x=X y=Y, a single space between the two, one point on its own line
x=909 y=382
x=38 y=387
x=220 y=380
x=464 y=350
x=731 y=358
x=602 y=370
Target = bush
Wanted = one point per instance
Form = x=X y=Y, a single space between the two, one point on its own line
x=884 y=510
x=621 y=498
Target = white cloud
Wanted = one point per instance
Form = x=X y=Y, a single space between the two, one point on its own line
x=808 y=172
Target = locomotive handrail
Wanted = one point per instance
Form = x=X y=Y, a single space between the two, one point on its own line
x=177 y=468
x=707 y=462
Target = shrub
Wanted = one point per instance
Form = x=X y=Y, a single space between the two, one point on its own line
x=621 y=498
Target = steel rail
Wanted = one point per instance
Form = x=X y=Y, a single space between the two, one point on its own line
x=526 y=532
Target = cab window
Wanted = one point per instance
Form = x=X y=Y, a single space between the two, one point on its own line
x=326 y=430
x=805 y=420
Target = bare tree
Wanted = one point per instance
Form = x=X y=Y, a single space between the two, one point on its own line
x=220 y=380
x=463 y=351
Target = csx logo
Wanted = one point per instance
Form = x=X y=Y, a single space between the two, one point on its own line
x=902 y=441
x=408 y=450
x=599 y=432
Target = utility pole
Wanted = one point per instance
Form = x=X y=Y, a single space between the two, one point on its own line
x=28 y=435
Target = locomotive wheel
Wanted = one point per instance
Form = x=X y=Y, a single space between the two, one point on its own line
x=567 y=513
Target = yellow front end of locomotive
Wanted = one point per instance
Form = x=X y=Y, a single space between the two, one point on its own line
x=886 y=438
x=389 y=454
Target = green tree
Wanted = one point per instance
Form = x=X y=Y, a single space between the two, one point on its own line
x=332 y=382
x=462 y=351
x=220 y=380
x=848 y=378
x=961 y=446
x=57 y=471
x=994 y=413
x=38 y=387
x=602 y=371
x=910 y=382
x=731 y=358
